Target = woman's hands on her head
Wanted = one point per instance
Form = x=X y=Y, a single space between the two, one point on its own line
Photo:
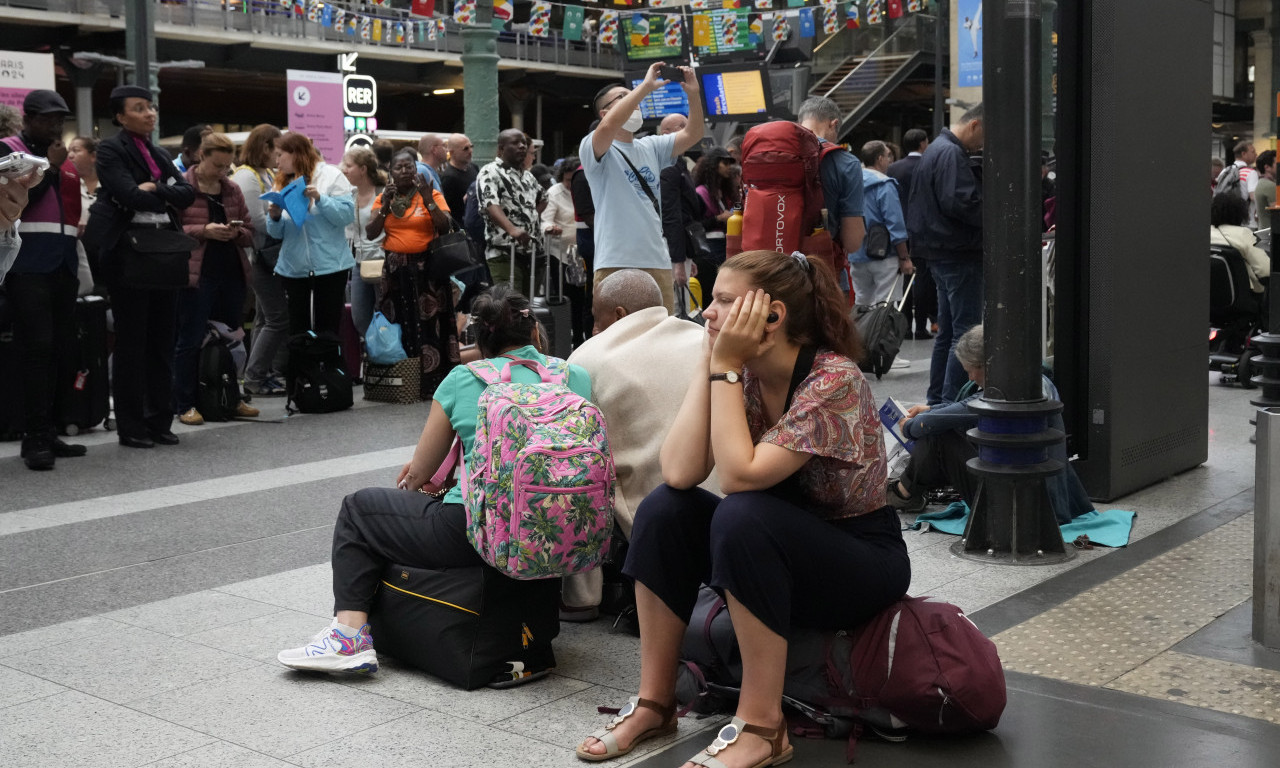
x=743 y=337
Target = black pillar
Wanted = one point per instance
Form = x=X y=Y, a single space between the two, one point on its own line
x=1268 y=342
x=941 y=68
x=1012 y=521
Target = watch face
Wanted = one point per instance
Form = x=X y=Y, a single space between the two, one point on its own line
x=732 y=377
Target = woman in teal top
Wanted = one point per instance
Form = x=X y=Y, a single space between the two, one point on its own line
x=379 y=526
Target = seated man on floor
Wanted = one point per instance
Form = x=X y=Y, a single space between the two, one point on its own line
x=640 y=361
x=942 y=449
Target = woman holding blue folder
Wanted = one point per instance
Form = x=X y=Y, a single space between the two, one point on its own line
x=311 y=206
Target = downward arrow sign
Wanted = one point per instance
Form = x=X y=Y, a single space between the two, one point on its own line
x=347 y=61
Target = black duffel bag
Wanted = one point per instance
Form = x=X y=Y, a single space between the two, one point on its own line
x=152 y=257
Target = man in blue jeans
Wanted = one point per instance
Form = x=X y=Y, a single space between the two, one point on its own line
x=944 y=219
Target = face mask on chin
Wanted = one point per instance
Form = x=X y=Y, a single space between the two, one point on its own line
x=634 y=122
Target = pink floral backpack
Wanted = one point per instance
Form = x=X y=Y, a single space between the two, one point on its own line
x=538 y=483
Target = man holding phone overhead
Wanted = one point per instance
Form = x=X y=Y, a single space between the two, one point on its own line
x=623 y=172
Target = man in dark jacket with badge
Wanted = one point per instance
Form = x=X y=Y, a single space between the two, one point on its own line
x=944 y=220
x=42 y=285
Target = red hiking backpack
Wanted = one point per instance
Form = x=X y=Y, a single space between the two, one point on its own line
x=784 y=199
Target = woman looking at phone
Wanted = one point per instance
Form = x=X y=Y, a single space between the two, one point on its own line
x=219 y=269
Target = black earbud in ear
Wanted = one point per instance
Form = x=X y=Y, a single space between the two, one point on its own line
x=772 y=318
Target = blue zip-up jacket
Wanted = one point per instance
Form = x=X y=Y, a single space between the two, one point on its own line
x=320 y=247
x=944 y=212
x=880 y=205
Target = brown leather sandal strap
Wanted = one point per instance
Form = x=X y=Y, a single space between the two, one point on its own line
x=665 y=710
x=771 y=735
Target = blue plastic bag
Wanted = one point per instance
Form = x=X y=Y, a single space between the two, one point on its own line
x=382 y=341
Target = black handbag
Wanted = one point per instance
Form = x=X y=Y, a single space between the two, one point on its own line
x=156 y=258
x=451 y=253
x=878 y=245
x=269 y=253
x=696 y=235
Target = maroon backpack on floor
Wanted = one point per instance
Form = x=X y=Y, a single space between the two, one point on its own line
x=919 y=666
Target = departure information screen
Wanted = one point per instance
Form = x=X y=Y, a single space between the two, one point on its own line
x=734 y=93
x=670 y=99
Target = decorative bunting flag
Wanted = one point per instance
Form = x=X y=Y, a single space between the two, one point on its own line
x=353 y=25
x=503 y=10
x=326 y=16
x=377 y=30
x=674 y=32
x=339 y=19
x=661 y=3
x=874 y=12
x=423 y=8
x=764 y=5
x=286 y=4
x=699 y=5
x=464 y=11
x=366 y=28
x=731 y=4
x=379 y=2
x=853 y=21
x=795 y=3
x=299 y=8
x=830 y=21
x=895 y=9
x=781 y=29
x=639 y=30
x=701 y=30
x=755 y=29
x=431 y=30
x=573 y=18
x=807 y=27
x=313 y=10
x=609 y=28
x=729 y=31
x=828 y=4
x=915 y=6
x=540 y=19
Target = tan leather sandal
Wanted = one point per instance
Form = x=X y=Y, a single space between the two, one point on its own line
x=730 y=733
x=606 y=737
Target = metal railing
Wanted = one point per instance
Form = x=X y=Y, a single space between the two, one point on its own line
x=914 y=36
x=272 y=19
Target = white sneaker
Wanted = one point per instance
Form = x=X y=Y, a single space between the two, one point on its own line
x=901 y=362
x=332 y=650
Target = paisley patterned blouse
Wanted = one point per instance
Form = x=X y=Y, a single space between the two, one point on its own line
x=833 y=417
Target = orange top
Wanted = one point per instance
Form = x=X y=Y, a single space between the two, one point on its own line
x=414 y=231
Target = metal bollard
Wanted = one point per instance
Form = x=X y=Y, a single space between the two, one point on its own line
x=1266 y=531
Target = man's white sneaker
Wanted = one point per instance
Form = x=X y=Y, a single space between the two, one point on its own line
x=337 y=648
x=901 y=362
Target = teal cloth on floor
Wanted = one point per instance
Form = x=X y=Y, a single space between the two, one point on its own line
x=1108 y=529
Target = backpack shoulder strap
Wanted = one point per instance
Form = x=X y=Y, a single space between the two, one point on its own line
x=485 y=371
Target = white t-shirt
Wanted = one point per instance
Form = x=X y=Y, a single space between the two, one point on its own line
x=628 y=231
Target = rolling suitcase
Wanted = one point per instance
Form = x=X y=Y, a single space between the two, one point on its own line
x=467 y=626
x=350 y=340
x=555 y=314
x=883 y=328
x=87 y=399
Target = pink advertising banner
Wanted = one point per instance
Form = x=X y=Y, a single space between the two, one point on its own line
x=315 y=109
x=21 y=73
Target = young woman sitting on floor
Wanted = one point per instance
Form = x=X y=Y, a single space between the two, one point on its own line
x=378 y=526
x=803 y=536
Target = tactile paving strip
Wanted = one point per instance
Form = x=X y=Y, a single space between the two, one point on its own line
x=1210 y=683
x=1118 y=633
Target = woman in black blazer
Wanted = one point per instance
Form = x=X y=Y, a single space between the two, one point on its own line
x=139 y=185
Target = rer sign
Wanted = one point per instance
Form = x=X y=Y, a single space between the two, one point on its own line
x=360 y=95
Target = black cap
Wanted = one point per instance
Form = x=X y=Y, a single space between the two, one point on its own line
x=127 y=91
x=717 y=154
x=44 y=102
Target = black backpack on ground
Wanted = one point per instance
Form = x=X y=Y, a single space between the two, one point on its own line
x=315 y=379
x=218 y=391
